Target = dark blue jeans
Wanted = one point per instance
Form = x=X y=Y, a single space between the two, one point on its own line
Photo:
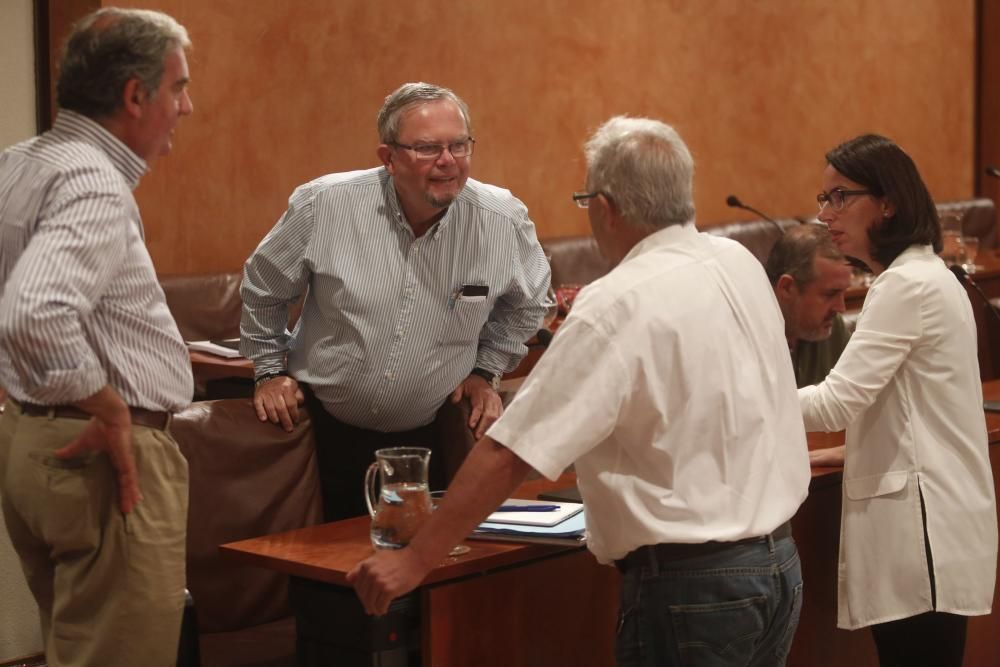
x=737 y=607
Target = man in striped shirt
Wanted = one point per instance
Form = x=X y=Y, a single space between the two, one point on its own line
x=94 y=488
x=422 y=284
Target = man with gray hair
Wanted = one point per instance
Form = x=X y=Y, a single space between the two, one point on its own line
x=419 y=284
x=94 y=488
x=669 y=386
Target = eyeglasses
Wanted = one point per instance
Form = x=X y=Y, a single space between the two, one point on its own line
x=837 y=198
x=582 y=199
x=458 y=149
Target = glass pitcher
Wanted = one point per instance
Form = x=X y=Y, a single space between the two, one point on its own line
x=403 y=502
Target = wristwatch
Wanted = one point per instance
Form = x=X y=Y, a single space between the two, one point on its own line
x=270 y=375
x=489 y=376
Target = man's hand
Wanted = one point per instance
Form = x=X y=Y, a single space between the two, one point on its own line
x=486 y=404
x=385 y=576
x=831 y=456
x=109 y=431
x=277 y=400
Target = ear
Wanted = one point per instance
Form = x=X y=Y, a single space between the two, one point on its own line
x=786 y=287
x=133 y=98
x=613 y=218
x=384 y=153
x=888 y=208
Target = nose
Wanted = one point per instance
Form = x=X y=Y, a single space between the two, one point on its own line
x=825 y=213
x=446 y=158
x=187 y=106
x=839 y=306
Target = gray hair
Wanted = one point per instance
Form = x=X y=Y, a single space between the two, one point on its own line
x=646 y=170
x=794 y=253
x=108 y=48
x=408 y=95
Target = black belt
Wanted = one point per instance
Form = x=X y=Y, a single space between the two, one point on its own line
x=140 y=417
x=668 y=553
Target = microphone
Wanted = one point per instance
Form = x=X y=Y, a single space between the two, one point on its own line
x=992 y=171
x=964 y=277
x=734 y=202
x=544 y=337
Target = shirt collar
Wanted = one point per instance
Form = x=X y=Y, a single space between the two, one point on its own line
x=669 y=234
x=78 y=126
x=911 y=253
x=396 y=211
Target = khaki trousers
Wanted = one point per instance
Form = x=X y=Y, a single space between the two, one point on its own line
x=109 y=587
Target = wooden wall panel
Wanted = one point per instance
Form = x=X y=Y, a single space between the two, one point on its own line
x=989 y=96
x=287 y=91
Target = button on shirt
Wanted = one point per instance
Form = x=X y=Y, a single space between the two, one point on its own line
x=392 y=324
x=671 y=388
x=80 y=305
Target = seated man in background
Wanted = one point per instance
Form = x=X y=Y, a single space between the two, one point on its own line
x=810 y=275
x=670 y=387
x=95 y=489
x=422 y=284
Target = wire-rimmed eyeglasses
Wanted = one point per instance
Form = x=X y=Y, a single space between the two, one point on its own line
x=458 y=149
x=837 y=197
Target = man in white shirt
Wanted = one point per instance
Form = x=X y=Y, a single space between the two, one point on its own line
x=671 y=389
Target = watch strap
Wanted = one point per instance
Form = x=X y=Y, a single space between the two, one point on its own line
x=489 y=376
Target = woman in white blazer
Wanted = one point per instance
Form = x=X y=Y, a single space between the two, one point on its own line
x=918 y=531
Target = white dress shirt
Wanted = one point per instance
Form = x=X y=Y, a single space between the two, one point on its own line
x=671 y=387
x=907 y=390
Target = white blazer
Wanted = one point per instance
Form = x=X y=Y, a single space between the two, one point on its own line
x=907 y=390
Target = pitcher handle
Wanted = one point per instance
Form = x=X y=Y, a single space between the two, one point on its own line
x=370 y=488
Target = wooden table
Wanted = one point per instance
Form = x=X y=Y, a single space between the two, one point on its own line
x=509 y=604
x=500 y=604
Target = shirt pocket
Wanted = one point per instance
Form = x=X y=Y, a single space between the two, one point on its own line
x=876 y=485
x=464 y=321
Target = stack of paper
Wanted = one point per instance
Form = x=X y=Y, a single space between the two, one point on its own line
x=228 y=348
x=547 y=522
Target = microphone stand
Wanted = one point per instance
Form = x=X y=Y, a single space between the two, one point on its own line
x=964 y=277
x=734 y=202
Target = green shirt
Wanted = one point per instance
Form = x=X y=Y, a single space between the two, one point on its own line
x=814 y=359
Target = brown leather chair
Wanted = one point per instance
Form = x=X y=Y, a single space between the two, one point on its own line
x=247 y=479
x=575 y=260
x=758 y=236
x=205 y=306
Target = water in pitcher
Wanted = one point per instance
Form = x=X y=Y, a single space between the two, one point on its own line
x=401 y=510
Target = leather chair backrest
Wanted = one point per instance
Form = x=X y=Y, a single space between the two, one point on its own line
x=576 y=260
x=758 y=236
x=247 y=479
x=205 y=306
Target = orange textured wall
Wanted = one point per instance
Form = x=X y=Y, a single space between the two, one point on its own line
x=287 y=91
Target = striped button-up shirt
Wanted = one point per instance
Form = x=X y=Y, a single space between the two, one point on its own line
x=392 y=324
x=80 y=305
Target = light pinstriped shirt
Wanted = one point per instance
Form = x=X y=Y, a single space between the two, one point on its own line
x=80 y=305
x=386 y=333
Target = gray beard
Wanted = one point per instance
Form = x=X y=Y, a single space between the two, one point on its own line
x=440 y=203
